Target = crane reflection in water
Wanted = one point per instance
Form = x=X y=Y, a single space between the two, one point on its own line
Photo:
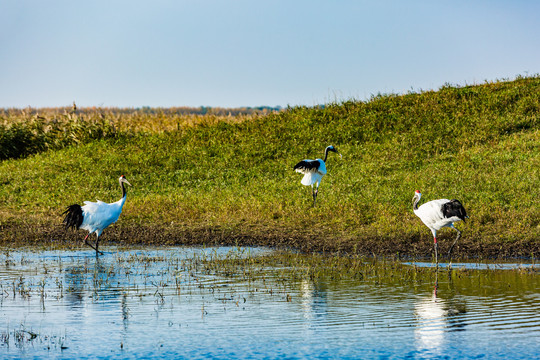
x=314 y=301
x=436 y=318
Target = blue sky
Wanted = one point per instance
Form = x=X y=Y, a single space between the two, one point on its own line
x=252 y=53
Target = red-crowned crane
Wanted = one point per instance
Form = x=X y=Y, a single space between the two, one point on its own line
x=437 y=214
x=95 y=216
x=314 y=170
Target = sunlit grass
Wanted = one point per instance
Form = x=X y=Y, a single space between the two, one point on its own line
x=480 y=144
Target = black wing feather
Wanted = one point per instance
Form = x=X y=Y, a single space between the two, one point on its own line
x=307 y=165
x=454 y=208
x=74 y=216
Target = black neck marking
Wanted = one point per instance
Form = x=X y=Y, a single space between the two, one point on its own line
x=415 y=203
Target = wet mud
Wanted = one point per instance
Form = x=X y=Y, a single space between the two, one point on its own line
x=15 y=235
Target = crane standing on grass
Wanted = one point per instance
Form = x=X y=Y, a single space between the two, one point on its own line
x=95 y=216
x=437 y=214
x=314 y=170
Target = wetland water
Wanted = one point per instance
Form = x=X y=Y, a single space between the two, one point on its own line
x=254 y=303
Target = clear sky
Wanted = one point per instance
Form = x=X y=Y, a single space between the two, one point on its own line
x=253 y=52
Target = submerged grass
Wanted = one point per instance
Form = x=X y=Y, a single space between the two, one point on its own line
x=177 y=272
x=229 y=179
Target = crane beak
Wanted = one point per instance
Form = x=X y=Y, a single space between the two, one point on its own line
x=127 y=182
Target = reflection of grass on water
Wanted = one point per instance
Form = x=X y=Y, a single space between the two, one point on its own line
x=162 y=275
x=21 y=338
x=287 y=270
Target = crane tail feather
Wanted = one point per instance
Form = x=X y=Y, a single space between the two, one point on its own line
x=454 y=208
x=73 y=216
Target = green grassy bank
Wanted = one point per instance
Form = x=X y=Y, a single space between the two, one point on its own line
x=229 y=179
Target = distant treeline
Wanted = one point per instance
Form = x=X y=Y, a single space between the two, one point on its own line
x=201 y=110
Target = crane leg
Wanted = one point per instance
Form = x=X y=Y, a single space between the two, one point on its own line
x=97 y=245
x=92 y=246
x=436 y=246
x=455 y=241
x=315 y=192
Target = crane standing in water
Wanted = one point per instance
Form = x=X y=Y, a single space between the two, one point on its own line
x=95 y=216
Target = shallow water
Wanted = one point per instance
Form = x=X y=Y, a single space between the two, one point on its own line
x=225 y=303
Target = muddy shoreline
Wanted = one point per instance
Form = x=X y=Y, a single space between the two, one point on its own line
x=12 y=235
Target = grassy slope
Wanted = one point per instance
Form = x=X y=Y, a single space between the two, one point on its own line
x=480 y=144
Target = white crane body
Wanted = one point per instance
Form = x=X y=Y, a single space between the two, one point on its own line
x=99 y=215
x=431 y=215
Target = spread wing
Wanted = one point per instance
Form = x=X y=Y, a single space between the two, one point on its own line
x=307 y=166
